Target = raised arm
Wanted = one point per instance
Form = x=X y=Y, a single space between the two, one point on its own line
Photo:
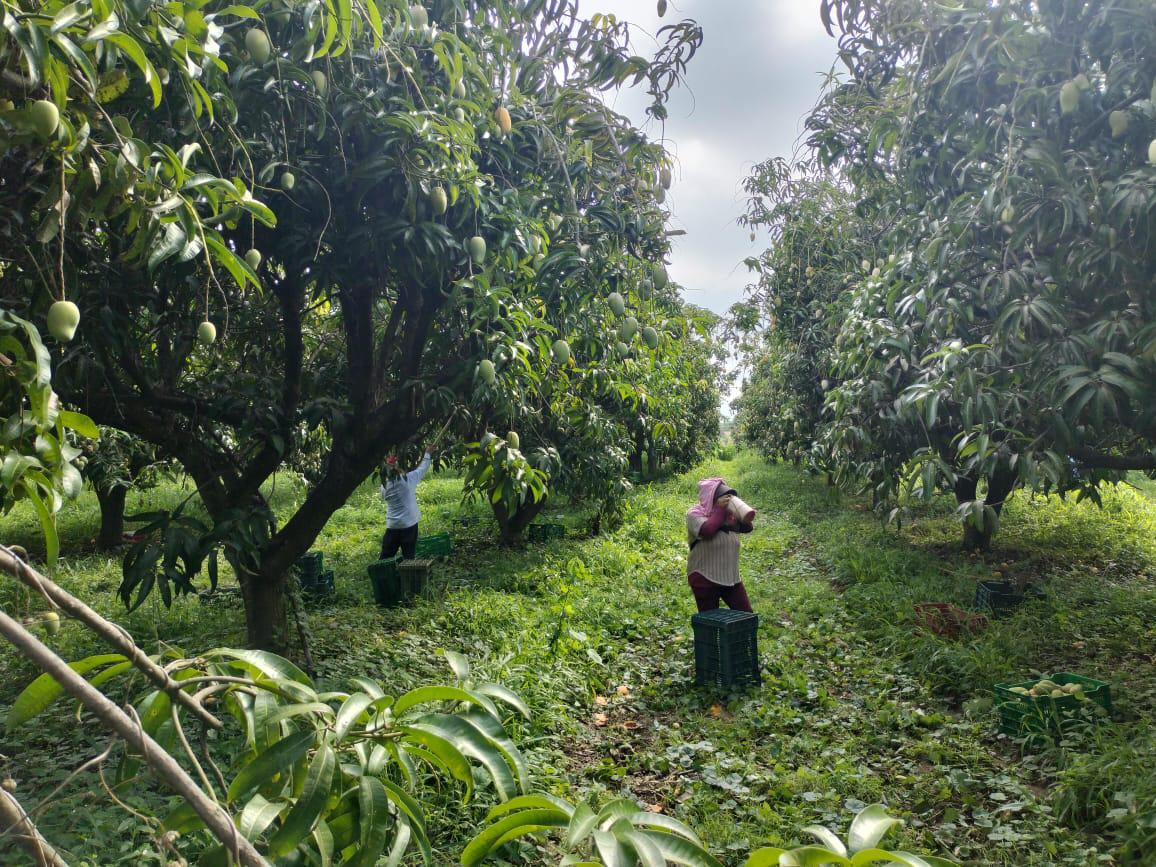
x=712 y=524
x=420 y=470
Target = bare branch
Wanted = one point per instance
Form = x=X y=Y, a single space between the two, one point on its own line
x=1098 y=460
x=107 y=630
x=153 y=754
x=14 y=819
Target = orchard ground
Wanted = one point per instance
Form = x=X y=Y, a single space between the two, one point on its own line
x=857 y=704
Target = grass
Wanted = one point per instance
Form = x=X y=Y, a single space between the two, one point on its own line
x=857 y=704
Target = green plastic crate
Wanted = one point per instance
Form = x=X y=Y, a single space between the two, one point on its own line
x=310 y=565
x=1020 y=714
x=386 y=582
x=441 y=545
x=320 y=587
x=414 y=576
x=544 y=532
x=1002 y=597
x=726 y=650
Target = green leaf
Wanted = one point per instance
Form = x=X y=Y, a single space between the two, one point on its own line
x=459 y=664
x=258 y=814
x=268 y=763
x=535 y=801
x=869 y=827
x=467 y=740
x=511 y=827
x=299 y=823
x=505 y=695
x=412 y=809
x=813 y=856
x=132 y=48
x=47 y=522
x=649 y=855
x=425 y=694
x=445 y=753
x=827 y=837
x=39 y=695
x=681 y=851
x=349 y=713
x=582 y=822
x=79 y=422
x=373 y=821
x=264 y=663
x=766 y=857
x=661 y=822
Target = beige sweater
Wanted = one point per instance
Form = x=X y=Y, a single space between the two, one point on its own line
x=716 y=558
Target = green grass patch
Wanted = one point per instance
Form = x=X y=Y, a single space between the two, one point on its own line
x=857 y=704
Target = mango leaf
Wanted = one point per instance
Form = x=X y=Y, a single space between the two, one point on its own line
x=510 y=828
x=869 y=827
x=352 y=708
x=39 y=695
x=373 y=821
x=766 y=857
x=268 y=763
x=681 y=851
x=299 y=823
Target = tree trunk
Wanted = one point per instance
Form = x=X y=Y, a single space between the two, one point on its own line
x=999 y=487
x=638 y=451
x=266 y=611
x=513 y=525
x=111 y=516
x=651 y=458
x=266 y=606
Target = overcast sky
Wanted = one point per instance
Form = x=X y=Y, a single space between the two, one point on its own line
x=758 y=72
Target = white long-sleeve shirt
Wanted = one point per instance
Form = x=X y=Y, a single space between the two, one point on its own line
x=400 y=497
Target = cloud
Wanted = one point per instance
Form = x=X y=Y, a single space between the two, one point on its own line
x=757 y=74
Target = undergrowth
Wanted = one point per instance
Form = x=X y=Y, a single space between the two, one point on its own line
x=857 y=703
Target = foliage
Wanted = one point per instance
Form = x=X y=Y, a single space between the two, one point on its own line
x=858 y=705
x=575 y=416
x=792 y=315
x=1000 y=332
x=619 y=833
x=39 y=464
x=334 y=776
x=103 y=65
x=120 y=460
x=371 y=308
x=514 y=486
x=867 y=829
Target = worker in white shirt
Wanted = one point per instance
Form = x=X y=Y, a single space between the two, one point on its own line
x=399 y=493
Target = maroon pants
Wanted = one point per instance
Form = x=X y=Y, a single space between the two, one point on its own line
x=707 y=594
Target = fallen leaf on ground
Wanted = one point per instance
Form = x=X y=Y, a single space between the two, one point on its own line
x=716 y=710
x=654 y=808
x=600 y=719
x=600 y=700
x=630 y=724
x=623 y=689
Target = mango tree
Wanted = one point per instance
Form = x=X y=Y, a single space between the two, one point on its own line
x=406 y=164
x=114 y=465
x=1003 y=334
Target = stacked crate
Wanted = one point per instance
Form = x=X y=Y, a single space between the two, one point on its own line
x=726 y=647
x=316 y=582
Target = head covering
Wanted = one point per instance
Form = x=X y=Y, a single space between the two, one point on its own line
x=723 y=490
x=706 y=498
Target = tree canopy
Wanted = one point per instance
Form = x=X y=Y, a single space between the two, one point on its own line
x=366 y=202
x=999 y=328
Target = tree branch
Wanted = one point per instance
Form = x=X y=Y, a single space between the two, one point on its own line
x=14 y=820
x=1099 y=461
x=153 y=754
x=108 y=631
